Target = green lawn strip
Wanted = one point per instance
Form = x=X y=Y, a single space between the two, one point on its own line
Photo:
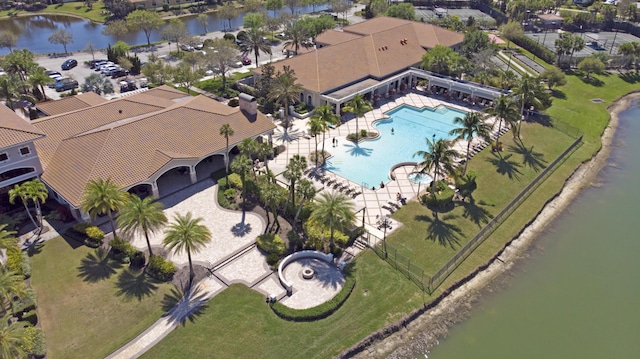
x=78 y=9
x=430 y=243
x=239 y=324
x=90 y=319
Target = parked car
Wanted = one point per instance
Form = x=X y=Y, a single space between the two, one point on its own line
x=52 y=73
x=56 y=79
x=94 y=63
x=236 y=64
x=69 y=64
x=107 y=71
x=187 y=47
x=128 y=85
x=209 y=73
x=119 y=73
x=143 y=82
x=245 y=60
x=101 y=66
x=66 y=85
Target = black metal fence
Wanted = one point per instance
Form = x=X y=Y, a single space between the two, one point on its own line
x=468 y=248
x=399 y=261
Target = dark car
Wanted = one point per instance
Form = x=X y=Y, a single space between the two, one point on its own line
x=69 y=64
x=66 y=85
x=245 y=60
x=119 y=73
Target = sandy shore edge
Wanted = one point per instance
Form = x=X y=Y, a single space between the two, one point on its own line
x=424 y=332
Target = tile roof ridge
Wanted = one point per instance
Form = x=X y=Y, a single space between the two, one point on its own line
x=375 y=55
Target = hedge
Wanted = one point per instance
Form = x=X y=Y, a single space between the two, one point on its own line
x=161 y=268
x=271 y=243
x=535 y=48
x=323 y=310
x=37 y=345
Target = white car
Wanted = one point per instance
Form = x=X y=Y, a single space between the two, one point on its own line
x=108 y=70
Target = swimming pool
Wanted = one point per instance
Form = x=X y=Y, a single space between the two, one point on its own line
x=401 y=135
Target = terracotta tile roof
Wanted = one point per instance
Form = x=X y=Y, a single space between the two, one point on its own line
x=332 y=37
x=551 y=17
x=377 y=52
x=61 y=127
x=133 y=150
x=72 y=103
x=14 y=130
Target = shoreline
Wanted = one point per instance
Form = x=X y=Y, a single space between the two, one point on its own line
x=426 y=330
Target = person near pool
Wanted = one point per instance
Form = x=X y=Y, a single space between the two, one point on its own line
x=392 y=130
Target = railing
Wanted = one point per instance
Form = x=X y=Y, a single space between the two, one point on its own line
x=468 y=248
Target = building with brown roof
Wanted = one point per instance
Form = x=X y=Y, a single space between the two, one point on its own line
x=18 y=155
x=369 y=58
x=69 y=104
x=138 y=139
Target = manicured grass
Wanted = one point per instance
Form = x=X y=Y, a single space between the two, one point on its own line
x=87 y=307
x=79 y=9
x=237 y=323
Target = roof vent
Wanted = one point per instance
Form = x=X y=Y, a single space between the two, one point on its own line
x=120 y=111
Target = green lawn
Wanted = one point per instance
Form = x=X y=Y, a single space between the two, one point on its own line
x=88 y=307
x=237 y=323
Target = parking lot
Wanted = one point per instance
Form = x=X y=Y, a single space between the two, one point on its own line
x=594 y=42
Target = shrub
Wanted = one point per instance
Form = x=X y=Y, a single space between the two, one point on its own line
x=122 y=250
x=93 y=243
x=35 y=343
x=440 y=200
x=229 y=36
x=363 y=133
x=230 y=193
x=234 y=102
x=30 y=317
x=222 y=200
x=26 y=265
x=161 y=268
x=137 y=259
x=14 y=259
x=235 y=181
x=94 y=233
x=272 y=259
x=323 y=310
x=22 y=306
x=535 y=48
x=81 y=227
x=318 y=235
x=271 y=243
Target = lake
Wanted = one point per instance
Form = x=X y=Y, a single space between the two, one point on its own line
x=579 y=294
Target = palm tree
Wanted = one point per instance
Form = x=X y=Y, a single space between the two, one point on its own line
x=271 y=197
x=316 y=126
x=12 y=89
x=333 y=210
x=438 y=158
x=256 y=41
x=631 y=51
x=297 y=35
x=528 y=92
x=7 y=238
x=358 y=106
x=577 y=44
x=227 y=132
x=294 y=171
x=103 y=197
x=264 y=150
x=11 y=285
x=37 y=78
x=306 y=191
x=472 y=125
x=505 y=110
x=326 y=116
x=186 y=234
x=20 y=191
x=285 y=90
x=13 y=338
x=37 y=192
x=142 y=216
x=241 y=165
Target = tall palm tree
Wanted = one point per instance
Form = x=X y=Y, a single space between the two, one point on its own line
x=142 y=216
x=326 y=116
x=38 y=78
x=13 y=338
x=103 y=197
x=37 y=192
x=227 y=132
x=247 y=148
x=242 y=165
x=12 y=89
x=294 y=171
x=285 y=90
x=438 y=158
x=358 y=106
x=21 y=192
x=306 y=191
x=188 y=235
x=471 y=125
x=316 y=126
x=297 y=35
x=504 y=109
x=333 y=210
x=631 y=51
x=257 y=42
x=528 y=92
x=271 y=197
x=7 y=238
x=264 y=150
x=577 y=44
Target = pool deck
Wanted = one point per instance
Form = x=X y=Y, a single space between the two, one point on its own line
x=381 y=201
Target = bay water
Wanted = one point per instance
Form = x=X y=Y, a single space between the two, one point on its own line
x=578 y=295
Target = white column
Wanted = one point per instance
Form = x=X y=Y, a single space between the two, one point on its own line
x=192 y=174
x=154 y=189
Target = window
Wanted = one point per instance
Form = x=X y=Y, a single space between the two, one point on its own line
x=25 y=151
x=4 y=157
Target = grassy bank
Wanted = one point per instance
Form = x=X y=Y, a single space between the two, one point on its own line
x=90 y=306
x=78 y=9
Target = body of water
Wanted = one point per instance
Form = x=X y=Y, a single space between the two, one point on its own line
x=33 y=31
x=580 y=296
x=404 y=133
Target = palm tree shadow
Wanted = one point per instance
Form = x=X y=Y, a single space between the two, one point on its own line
x=505 y=166
x=356 y=151
x=288 y=135
x=97 y=266
x=241 y=229
x=135 y=284
x=446 y=234
x=475 y=213
x=180 y=306
x=534 y=160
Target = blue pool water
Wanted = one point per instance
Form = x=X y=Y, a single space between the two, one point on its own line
x=369 y=162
